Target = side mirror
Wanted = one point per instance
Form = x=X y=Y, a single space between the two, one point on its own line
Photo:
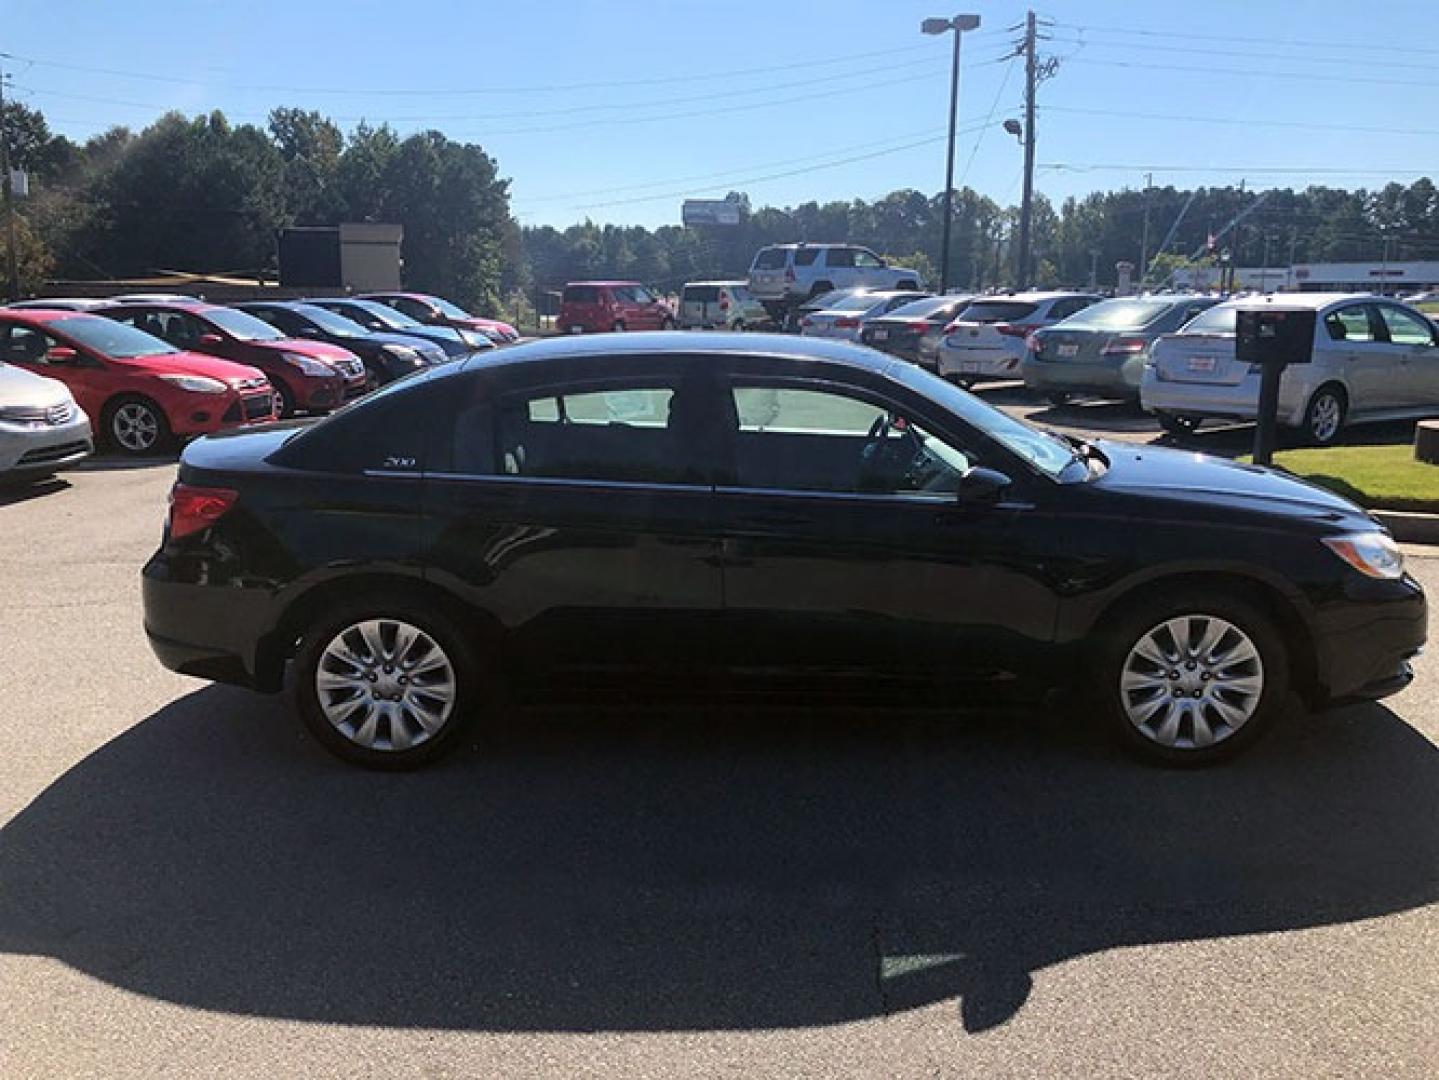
x=982 y=487
x=210 y=341
x=61 y=354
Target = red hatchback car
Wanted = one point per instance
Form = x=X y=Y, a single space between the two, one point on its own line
x=591 y=307
x=139 y=391
x=437 y=311
x=309 y=376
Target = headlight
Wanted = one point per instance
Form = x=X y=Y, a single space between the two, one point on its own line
x=403 y=353
x=1373 y=554
x=195 y=384
x=308 y=364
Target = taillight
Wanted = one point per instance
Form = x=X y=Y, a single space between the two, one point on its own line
x=1125 y=346
x=1033 y=343
x=724 y=304
x=195 y=508
x=918 y=324
x=1014 y=329
x=844 y=322
x=789 y=273
x=806 y=321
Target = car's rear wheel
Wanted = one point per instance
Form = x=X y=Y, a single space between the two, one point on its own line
x=1192 y=678
x=1177 y=425
x=136 y=426
x=386 y=683
x=1324 y=417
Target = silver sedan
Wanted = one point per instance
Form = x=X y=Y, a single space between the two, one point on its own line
x=41 y=427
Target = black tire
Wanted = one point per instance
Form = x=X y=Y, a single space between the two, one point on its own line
x=1178 y=426
x=118 y=434
x=286 y=396
x=959 y=381
x=820 y=288
x=668 y=324
x=446 y=632
x=1317 y=423
x=738 y=327
x=1057 y=397
x=1134 y=624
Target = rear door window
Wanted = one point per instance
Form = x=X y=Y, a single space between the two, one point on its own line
x=702 y=294
x=581 y=294
x=806 y=256
x=1350 y=324
x=839 y=258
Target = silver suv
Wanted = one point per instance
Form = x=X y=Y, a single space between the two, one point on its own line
x=785 y=274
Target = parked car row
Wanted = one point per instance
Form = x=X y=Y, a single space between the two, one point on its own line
x=142 y=370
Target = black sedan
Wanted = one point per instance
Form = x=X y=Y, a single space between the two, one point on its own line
x=912 y=332
x=377 y=318
x=387 y=356
x=716 y=513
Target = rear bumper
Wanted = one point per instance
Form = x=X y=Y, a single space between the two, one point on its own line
x=210 y=631
x=1239 y=402
x=987 y=362
x=1120 y=378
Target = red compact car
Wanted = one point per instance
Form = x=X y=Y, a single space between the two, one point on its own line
x=437 y=311
x=139 y=391
x=309 y=376
x=591 y=307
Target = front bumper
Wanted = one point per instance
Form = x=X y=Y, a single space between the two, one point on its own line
x=205 y=414
x=320 y=394
x=1366 y=639
x=25 y=450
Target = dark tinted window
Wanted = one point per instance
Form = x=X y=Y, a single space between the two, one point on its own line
x=281 y=319
x=702 y=294
x=413 y=308
x=933 y=308
x=387 y=431
x=581 y=294
x=805 y=256
x=770 y=259
x=840 y=258
x=631 y=431
x=996 y=311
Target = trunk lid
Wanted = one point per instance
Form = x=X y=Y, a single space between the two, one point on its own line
x=1198 y=358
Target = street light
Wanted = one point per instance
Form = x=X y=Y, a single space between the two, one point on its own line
x=959 y=24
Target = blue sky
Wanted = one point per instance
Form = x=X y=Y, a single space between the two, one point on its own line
x=619 y=110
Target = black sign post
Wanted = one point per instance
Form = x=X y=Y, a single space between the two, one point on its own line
x=1272 y=338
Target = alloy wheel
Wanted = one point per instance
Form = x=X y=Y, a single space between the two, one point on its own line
x=1325 y=416
x=1191 y=682
x=136 y=427
x=385 y=685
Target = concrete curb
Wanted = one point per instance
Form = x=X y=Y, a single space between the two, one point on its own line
x=1410 y=528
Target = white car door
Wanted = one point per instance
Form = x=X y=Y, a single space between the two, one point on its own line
x=1415 y=343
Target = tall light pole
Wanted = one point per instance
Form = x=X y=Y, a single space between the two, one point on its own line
x=959 y=24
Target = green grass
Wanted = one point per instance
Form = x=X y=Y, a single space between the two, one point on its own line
x=1377 y=477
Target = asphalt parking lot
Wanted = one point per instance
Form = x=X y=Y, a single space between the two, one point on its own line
x=188 y=886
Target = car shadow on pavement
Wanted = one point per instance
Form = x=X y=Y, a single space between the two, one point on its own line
x=674 y=871
x=18 y=491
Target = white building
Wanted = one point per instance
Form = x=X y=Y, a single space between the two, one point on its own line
x=1397 y=278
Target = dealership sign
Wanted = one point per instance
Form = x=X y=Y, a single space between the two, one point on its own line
x=709 y=212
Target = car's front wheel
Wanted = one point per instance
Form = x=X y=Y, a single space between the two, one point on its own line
x=136 y=426
x=386 y=683
x=1192 y=678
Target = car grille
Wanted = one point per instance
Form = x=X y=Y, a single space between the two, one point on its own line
x=46 y=454
x=53 y=415
x=260 y=383
x=254 y=407
x=350 y=368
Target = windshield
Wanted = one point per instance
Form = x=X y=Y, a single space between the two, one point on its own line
x=1217 y=320
x=857 y=302
x=996 y=311
x=1048 y=453
x=449 y=310
x=113 y=339
x=242 y=325
x=363 y=311
x=936 y=308
x=1118 y=315
x=328 y=321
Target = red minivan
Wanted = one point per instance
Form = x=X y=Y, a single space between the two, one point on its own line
x=309 y=376
x=592 y=307
x=138 y=390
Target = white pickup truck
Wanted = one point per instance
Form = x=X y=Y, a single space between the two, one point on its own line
x=783 y=275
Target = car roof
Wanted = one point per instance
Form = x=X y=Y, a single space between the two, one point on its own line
x=680 y=342
x=809 y=244
x=45 y=315
x=725 y=281
x=197 y=307
x=1033 y=297
x=1315 y=300
x=616 y=281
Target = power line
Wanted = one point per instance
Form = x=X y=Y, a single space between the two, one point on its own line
x=1252 y=72
x=1297 y=42
x=993 y=106
x=1298 y=125
x=772 y=176
x=1300 y=170
x=1193 y=51
x=352 y=91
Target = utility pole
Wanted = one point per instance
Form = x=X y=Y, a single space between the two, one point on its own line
x=12 y=254
x=1144 y=235
x=1026 y=206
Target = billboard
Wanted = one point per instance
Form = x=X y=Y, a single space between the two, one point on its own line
x=709 y=212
